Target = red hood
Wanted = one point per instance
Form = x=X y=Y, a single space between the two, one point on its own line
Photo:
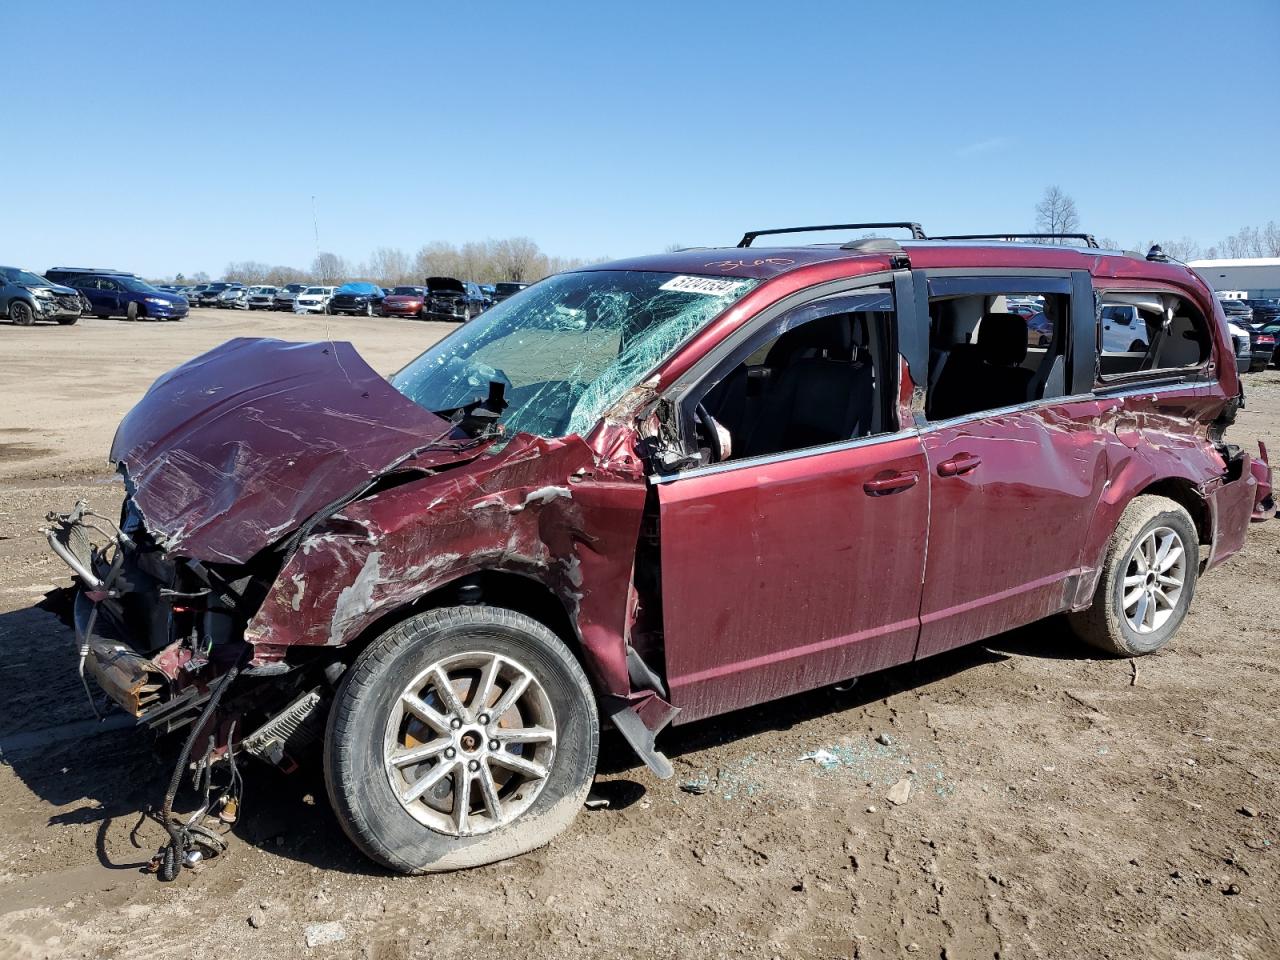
x=234 y=449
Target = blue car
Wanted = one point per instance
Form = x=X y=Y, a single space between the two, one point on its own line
x=115 y=295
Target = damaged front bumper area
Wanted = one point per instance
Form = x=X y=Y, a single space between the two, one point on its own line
x=153 y=633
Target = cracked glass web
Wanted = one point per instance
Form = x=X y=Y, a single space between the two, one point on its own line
x=567 y=348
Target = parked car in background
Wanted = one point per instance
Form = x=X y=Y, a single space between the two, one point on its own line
x=489 y=292
x=26 y=297
x=313 y=300
x=261 y=297
x=1262 y=346
x=1238 y=311
x=192 y=293
x=118 y=295
x=234 y=298
x=452 y=299
x=404 y=302
x=63 y=274
x=210 y=294
x=1265 y=311
x=286 y=295
x=357 y=298
x=503 y=290
x=1243 y=342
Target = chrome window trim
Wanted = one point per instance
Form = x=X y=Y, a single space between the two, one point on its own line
x=787 y=455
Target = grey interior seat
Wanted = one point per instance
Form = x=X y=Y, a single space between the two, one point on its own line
x=987 y=374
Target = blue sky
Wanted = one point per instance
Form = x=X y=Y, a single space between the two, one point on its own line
x=175 y=136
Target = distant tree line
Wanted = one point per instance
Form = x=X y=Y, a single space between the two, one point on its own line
x=1056 y=213
x=489 y=261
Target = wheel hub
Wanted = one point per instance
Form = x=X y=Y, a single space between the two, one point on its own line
x=1154 y=579
x=469 y=743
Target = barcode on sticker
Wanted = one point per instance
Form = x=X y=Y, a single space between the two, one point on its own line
x=709 y=286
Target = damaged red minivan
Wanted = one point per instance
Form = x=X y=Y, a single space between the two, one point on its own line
x=646 y=492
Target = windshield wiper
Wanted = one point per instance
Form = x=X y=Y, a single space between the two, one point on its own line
x=480 y=419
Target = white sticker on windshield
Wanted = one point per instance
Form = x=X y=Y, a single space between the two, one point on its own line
x=709 y=286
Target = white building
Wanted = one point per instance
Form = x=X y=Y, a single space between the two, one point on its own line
x=1259 y=276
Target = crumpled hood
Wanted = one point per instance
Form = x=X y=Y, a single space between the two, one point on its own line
x=229 y=452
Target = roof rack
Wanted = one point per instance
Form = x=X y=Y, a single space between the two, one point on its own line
x=1088 y=239
x=917 y=233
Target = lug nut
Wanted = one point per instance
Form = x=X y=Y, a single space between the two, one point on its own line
x=494 y=745
x=483 y=719
x=450 y=753
x=473 y=766
x=455 y=723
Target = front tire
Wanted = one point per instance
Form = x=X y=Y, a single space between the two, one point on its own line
x=462 y=736
x=1148 y=580
x=21 y=314
x=67 y=321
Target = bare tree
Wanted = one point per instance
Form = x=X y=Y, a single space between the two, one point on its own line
x=1056 y=213
x=518 y=259
x=280 y=276
x=246 y=271
x=388 y=266
x=1184 y=249
x=1271 y=239
x=328 y=269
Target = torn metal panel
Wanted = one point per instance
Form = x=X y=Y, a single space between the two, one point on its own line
x=537 y=509
x=229 y=452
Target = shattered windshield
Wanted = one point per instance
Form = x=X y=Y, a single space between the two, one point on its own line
x=568 y=348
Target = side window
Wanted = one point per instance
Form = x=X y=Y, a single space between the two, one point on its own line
x=85 y=283
x=105 y=284
x=1153 y=332
x=811 y=377
x=995 y=342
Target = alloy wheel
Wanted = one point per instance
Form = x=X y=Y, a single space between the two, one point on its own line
x=1154 y=580
x=469 y=743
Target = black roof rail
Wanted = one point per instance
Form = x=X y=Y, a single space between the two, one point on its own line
x=917 y=233
x=1088 y=239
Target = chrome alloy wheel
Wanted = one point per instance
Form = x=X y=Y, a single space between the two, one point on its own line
x=1153 y=580
x=469 y=743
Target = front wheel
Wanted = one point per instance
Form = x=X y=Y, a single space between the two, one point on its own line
x=20 y=313
x=1148 y=580
x=67 y=321
x=460 y=737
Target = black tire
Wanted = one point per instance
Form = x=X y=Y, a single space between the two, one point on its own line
x=359 y=788
x=67 y=321
x=21 y=313
x=1104 y=624
x=132 y=312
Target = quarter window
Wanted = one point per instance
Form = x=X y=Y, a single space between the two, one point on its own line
x=1147 y=333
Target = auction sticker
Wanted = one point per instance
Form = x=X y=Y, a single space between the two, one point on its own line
x=709 y=286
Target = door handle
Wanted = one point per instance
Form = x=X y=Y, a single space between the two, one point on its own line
x=957 y=465
x=891 y=484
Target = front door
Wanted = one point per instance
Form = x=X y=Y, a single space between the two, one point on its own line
x=797 y=560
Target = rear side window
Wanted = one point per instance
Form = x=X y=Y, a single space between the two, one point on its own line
x=1152 y=333
x=995 y=342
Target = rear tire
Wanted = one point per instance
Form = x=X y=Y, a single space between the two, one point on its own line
x=371 y=726
x=1159 y=593
x=21 y=314
x=67 y=321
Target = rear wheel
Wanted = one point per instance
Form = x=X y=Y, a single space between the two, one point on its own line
x=20 y=313
x=1148 y=580
x=462 y=736
x=67 y=321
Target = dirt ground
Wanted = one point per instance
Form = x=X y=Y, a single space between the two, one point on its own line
x=1061 y=805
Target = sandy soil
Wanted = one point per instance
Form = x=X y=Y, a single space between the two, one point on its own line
x=1062 y=805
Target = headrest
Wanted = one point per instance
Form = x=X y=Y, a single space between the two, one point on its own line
x=1002 y=339
x=829 y=334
